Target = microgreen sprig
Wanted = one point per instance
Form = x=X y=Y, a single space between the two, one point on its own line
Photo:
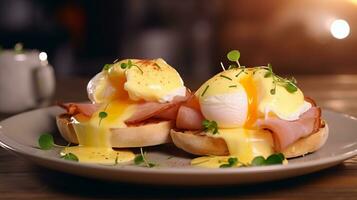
x=234 y=56
x=106 y=67
x=288 y=84
x=129 y=65
x=102 y=114
x=116 y=159
x=46 y=142
x=70 y=156
x=141 y=159
x=157 y=65
x=211 y=126
x=232 y=162
x=226 y=77
x=205 y=90
x=273 y=159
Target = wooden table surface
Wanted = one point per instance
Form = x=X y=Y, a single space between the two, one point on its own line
x=20 y=179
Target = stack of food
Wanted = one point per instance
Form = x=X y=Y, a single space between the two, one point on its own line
x=243 y=116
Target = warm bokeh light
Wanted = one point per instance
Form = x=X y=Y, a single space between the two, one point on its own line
x=340 y=29
x=42 y=56
x=353 y=1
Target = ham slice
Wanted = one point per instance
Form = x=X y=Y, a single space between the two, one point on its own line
x=147 y=110
x=87 y=109
x=287 y=132
x=189 y=118
x=169 y=114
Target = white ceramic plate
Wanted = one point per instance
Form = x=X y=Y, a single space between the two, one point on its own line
x=21 y=132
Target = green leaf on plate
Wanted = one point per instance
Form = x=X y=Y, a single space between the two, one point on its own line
x=46 y=141
x=70 y=156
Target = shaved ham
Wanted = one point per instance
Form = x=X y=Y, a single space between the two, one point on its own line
x=288 y=132
x=310 y=100
x=149 y=110
x=86 y=109
x=169 y=114
x=193 y=102
x=189 y=118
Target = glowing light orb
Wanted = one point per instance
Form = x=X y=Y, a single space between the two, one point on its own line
x=339 y=29
x=42 y=56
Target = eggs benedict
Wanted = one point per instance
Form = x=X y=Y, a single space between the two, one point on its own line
x=133 y=104
x=247 y=113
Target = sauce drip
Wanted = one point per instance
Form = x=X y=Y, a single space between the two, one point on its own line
x=251 y=90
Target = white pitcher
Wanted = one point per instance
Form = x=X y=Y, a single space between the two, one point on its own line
x=26 y=80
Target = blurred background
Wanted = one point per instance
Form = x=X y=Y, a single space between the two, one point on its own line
x=79 y=37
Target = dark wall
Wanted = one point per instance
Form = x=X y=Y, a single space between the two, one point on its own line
x=194 y=36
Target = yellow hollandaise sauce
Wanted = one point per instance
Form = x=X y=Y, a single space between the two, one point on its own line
x=100 y=155
x=148 y=80
x=243 y=144
x=284 y=104
x=94 y=134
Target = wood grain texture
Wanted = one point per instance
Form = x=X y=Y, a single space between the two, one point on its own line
x=20 y=179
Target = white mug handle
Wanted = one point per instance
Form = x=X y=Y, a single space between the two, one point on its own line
x=44 y=83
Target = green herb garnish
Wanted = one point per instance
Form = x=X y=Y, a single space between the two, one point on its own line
x=226 y=77
x=101 y=116
x=116 y=159
x=288 y=84
x=46 y=141
x=240 y=72
x=258 y=161
x=157 y=65
x=107 y=67
x=232 y=86
x=205 y=90
x=210 y=126
x=232 y=66
x=141 y=159
x=232 y=161
x=70 y=156
x=290 y=87
x=273 y=159
x=138 y=159
x=129 y=65
x=234 y=56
